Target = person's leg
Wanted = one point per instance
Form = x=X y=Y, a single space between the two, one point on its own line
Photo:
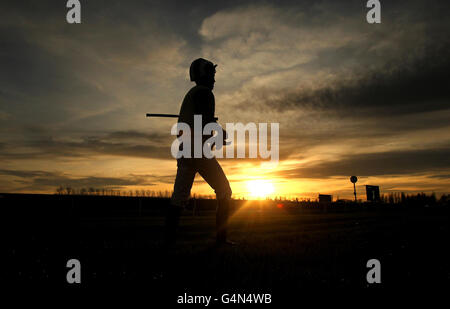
x=222 y=216
x=212 y=172
x=181 y=192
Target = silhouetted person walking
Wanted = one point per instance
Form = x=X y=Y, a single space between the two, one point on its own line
x=199 y=101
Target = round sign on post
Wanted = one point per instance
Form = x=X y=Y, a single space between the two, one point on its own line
x=354 y=179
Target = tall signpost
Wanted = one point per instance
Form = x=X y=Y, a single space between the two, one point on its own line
x=354 y=179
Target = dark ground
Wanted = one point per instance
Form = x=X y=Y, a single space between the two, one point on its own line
x=118 y=241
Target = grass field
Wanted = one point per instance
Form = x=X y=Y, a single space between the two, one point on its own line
x=277 y=246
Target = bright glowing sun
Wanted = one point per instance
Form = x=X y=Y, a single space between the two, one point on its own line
x=259 y=188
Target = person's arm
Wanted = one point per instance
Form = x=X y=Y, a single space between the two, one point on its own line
x=204 y=105
x=208 y=106
x=207 y=109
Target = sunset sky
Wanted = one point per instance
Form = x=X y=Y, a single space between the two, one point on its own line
x=351 y=98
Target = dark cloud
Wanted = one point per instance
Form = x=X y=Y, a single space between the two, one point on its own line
x=168 y=179
x=136 y=135
x=35 y=180
x=120 y=143
x=376 y=164
x=97 y=146
x=440 y=176
x=398 y=88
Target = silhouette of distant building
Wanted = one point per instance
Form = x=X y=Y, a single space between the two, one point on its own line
x=373 y=193
x=325 y=198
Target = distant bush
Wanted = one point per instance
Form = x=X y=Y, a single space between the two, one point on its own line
x=394 y=198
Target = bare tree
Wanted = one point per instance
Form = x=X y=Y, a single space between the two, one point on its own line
x=60 y=190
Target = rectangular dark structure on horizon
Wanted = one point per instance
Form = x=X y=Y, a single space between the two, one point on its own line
x=325 y=198
x=373 y=193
